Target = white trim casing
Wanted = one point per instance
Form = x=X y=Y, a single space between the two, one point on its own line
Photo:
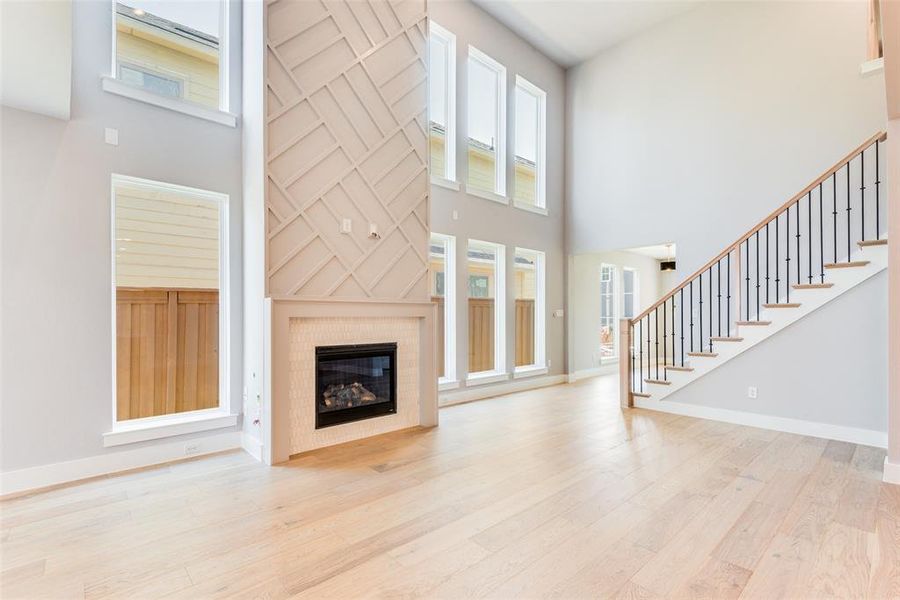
x=540 y=311
x=615 y=308
x=487 y=195
x=540 y=180
x=445 y=183
x=114 y=86
x=175 y=423
x=500 y=116
x=449 y=40
x=479 y=393
x=449 y=243
x=486 y=377
x=891 y=472
x=33 y=478
x=530 y=208
x=529 y=371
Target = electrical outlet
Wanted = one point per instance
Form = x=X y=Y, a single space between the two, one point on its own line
x=192 y=448
x=455 y=215
x=751 y=392
x=346 y=226
x=111 y=136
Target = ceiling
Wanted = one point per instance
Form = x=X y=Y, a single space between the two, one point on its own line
x=571 y=31
x=659 y=251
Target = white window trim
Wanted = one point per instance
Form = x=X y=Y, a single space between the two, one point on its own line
x=871 y=66
x=530 y=208
x=500 y=161
x=616 y=303
x=449 y=39
x=178 y=423
x=540 y=183
x=499 y=312
x=487 y=195
x=486 y=377
x=532 y=371
x=449 y=377
x=636 y=293
x=540 y=312
x=112 y=84
x=445 y=183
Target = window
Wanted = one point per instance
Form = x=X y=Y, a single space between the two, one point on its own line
x=608 y=312
x=530 y=314
x=630 y=297
x=486 y=126
x=875 y=32
x=486 y=302
x=442 y=260
x=171 y=49
x=530 y=168
x=170 y=317
x=442 y=102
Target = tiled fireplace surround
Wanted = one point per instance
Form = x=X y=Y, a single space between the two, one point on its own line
x=299 y=325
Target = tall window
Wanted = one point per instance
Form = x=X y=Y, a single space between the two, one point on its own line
x=485 y=272
x=171 y=48
x=530 y=183
x=530 y=314
x=442 y=101
x=170 y=265
x=486 y=125
x=443 y=285
x=608 y=312
x=630 y=293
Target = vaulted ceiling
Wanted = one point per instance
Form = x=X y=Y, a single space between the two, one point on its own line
x=571 y=31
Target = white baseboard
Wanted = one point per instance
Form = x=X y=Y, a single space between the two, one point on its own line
x=251 y=445
x=891 y=471
x=854 y=435
x=500 y=389
x=33 y=478
x=593 y=372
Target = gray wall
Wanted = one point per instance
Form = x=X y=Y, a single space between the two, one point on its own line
x=830 y=367
x=56 y=387
x=704 y=124
x=489 y=221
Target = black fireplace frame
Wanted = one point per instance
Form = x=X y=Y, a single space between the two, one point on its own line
x=356 y=413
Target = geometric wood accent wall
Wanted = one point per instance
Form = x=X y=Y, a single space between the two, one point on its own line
x=346 y=99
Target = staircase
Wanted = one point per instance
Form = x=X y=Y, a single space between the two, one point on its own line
x=822 y=242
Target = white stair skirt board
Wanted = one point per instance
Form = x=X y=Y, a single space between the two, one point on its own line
x=34 y=478
x=500 y=389
x=809 y=300
x=854 y=435
x=251 y=446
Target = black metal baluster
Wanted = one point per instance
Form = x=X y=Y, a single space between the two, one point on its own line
x=710 y=310
x=681 y=329
x=809 y=231
x=631 y=351
x=674 y=361
x=701 y=312
x=787 y=253
x=848 y=211
x=877 y=198
x=719 y=297
x=777 y=261
x=834 y=212
x=649 y=373
x=747 y=274
x=640 y=344
x=821 y=238
x=797 y=214
x=757 y=274
x=862 y=194
x=767 y=263
x=656 y=341
x=665 y=340
x=691 y=315
x=728 y=292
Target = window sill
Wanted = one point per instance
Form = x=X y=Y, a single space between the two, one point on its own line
x=530 y=208
x=871 y=66
x=488 y=196
x=155 y=428
x=447 y=384
x=485 y=378
x=114 y=86
x=445 y=183
x=522 y=372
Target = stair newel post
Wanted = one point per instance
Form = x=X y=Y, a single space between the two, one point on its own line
x=626 y=400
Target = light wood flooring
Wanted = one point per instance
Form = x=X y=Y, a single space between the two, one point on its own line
x=550 y=493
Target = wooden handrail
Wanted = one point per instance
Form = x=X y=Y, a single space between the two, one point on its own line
x=878 y=137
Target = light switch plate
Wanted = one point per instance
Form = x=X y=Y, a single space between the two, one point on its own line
x=346 y=226
x=111 y=136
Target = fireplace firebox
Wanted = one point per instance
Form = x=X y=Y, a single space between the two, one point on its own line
x=355 y=382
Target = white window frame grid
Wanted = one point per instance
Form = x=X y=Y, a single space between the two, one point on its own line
x=449 y=40
x=449 y=381
x=498 y=373
x=499 y=192
x=539 y=366
x=540 y=180
x=616 y=308
x=145 y=428
x=635 y=293
x=222 y=115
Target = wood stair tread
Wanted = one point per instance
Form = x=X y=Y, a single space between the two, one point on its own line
x=867 y=243
x=847 y=265
x=678 y=368
x=782 y=305
x=703 y=354
x=726 y=339
x=812 y=286
x=658 y=381
x=753 y=323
